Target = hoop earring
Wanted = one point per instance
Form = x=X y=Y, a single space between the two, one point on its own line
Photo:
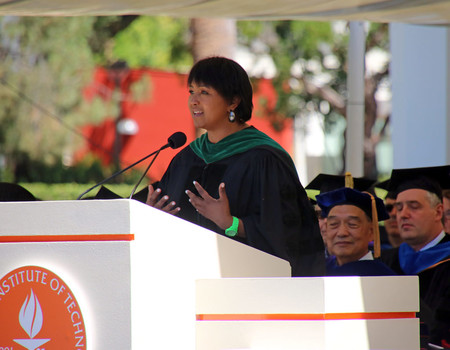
x=231 y=117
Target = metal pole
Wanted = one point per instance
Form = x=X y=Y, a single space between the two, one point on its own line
x=354 y=154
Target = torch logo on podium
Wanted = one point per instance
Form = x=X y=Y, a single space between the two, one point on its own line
x=38 y=311
x=31 y=319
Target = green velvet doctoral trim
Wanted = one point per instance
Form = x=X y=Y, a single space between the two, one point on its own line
x=235 y=143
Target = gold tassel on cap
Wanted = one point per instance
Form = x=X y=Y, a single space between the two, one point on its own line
x=376 y=229
x=348 y=180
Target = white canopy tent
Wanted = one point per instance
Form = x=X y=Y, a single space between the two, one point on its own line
x=406 y=11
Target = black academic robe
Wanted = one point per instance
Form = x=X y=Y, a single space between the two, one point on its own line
x=360 y=268
x=264 y=191
x=434 y=287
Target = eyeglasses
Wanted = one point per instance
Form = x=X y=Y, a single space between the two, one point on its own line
x=389 y=207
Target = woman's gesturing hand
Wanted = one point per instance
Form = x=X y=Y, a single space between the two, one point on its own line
x=216 y=210
x=163 y=203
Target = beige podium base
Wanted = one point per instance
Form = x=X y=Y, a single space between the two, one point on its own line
x=308 y=313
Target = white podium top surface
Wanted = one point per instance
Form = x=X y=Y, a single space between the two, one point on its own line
x=134 y=222
x=96 y=217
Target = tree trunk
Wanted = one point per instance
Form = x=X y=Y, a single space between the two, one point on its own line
x=213 y=37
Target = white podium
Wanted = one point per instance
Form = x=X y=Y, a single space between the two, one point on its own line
x=120 y=274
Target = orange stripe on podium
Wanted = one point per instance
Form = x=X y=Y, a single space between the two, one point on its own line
x=306 y=317
x=67 y=238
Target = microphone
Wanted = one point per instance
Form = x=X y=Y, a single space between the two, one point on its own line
x=176 y=140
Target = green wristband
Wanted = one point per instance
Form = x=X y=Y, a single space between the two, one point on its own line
x=232 y=231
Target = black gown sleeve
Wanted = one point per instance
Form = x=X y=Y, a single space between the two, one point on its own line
x=281 y=220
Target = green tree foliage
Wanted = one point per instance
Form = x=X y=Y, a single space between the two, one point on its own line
x=287 y=42
x=101 y=40
x=45 y=63
x=311 y=63
x=157 y=42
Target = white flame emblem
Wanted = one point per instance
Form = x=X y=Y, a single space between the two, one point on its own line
x=31 y=319
x=30 y=316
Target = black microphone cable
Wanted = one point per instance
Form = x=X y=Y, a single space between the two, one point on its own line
x=177 y=139
x=143 y=175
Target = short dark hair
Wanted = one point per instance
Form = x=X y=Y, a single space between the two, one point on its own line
x=446 y=194
x=391 y=195
x=229 y=79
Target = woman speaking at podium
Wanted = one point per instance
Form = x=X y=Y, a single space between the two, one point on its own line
x=234 y=179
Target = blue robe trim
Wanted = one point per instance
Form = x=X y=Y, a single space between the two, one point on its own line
x=413 y=262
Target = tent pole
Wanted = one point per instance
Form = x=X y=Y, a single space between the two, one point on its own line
x=354 y=153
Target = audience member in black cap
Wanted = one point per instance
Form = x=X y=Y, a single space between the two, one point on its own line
x=426 y=248
x=326 y=183
x=11 y=192
x=322 y=222
x=446 y=202
x=393 y=238
x=391 y=225
x=352 y=223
